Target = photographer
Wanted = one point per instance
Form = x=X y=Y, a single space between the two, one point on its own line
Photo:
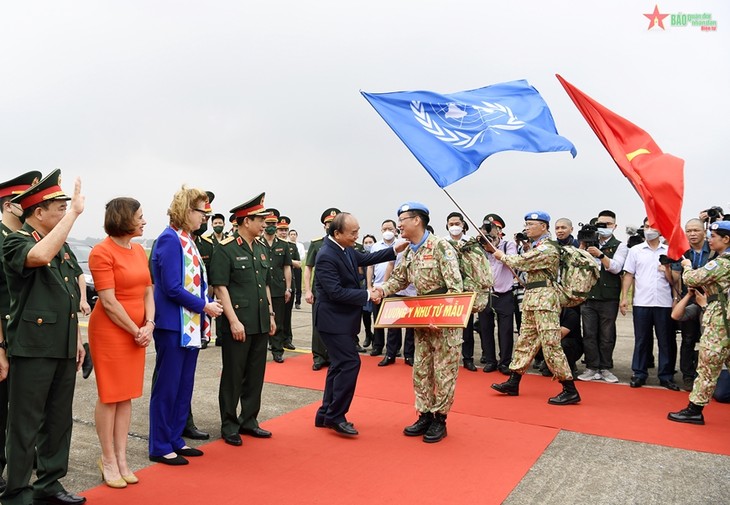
x=501 y=304
x=699 y=254
x=599 y=311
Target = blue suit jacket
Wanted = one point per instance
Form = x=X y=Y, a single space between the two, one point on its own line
x=167 y=273
x=338 y=306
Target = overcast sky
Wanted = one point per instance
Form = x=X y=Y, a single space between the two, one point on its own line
x=139 y=97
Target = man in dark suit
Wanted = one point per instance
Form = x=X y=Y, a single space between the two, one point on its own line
x=337 y=313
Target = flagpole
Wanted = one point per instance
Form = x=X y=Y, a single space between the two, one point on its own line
x=479 y=230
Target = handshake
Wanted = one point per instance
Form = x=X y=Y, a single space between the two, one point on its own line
x=376 y=295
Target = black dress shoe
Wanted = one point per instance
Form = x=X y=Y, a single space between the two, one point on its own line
x=669 y=385
x=692 y=415
x=469 y=365
x=483 y=360
x=368 y=341
x=386 y=361
x=318 y=423
x=60 y=498
x=204 y=344
x=176 y=461
x=256 y=432
x=409 y=361
x=190 y=452
x=317 y=366
x=376 y=352
x=87 y=366
x=297 y=306
x=343 y=428
x=278 y=358
x=360 y=349
x=489 y=367
x=636 y=382
x=289 y=346
x=233 y=439
x=195 y=434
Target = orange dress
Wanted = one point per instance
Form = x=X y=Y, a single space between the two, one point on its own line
x=118 y=360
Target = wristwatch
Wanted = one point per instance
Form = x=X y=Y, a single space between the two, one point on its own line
x=601 y=256
x=4 y=345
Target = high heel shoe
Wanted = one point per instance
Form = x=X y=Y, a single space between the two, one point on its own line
x=130 y=479
x=116 y=484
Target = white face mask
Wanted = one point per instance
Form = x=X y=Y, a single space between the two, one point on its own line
x=388 y=235
x=605 y=232
x=368 y=247
x=651 y=234
x=455 y=231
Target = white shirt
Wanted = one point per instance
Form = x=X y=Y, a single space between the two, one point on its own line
x=302 y=251
x=651 y=287
x=379 y=268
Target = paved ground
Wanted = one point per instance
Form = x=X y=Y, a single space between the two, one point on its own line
x=576 y=468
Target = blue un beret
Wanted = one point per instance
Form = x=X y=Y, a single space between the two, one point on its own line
x=723 y=226
x=538 y=215
x=412 y=206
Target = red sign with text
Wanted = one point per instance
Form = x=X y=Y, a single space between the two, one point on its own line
x=443 y=311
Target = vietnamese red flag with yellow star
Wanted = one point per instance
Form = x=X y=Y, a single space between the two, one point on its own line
x=657 y=177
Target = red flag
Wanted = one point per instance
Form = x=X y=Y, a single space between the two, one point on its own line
x=656 y=176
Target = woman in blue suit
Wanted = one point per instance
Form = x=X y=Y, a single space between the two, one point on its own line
x=181 y=305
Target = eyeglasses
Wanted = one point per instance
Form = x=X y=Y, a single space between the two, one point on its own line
x=202 y=211
x=401 y=219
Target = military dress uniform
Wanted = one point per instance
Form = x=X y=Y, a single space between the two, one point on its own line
x=42 y=336
x=432 y=268
x=245 y=271
x=288 y=333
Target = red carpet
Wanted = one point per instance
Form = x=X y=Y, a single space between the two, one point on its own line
x=608 y=410
x=302 y=464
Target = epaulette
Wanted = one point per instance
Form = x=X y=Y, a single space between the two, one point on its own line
x=206 y=238
x=24 y=232
x=319 y=239
x=226 y=240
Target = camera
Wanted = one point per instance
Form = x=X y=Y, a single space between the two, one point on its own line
x=487 y=227
x=521 y=237
x=588 y=234
x=713 y=213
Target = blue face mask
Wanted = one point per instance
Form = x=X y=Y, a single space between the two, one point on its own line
x=368 y=247
x=605 y=232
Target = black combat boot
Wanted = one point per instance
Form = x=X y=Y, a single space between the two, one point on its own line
x=692 y=414
x=567 y=396
x=437 y=430
x=420 y=426
x=511 y=387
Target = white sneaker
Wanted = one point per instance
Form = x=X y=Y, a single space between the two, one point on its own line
x=608 y=376
x=590 y=375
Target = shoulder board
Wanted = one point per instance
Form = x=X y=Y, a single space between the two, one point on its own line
x=207 y=239
x=226 y=240
x=23 y=232
x=318 y=239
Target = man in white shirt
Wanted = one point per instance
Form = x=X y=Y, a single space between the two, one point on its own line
x=652 y=308
x=376 y=274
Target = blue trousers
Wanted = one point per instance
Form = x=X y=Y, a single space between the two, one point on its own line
x=339 y=387
x=171 y=392
x=659 y=320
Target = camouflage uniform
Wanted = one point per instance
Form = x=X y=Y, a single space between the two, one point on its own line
x=714 y=278
x=540 y=310
x=434 y=267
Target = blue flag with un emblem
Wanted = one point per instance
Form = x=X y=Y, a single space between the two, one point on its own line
x=451 y=135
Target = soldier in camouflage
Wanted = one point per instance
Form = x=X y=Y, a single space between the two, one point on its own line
x=714 y=280
x=540 y=311
x=431 y=264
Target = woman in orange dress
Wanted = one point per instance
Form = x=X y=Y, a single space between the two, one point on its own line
x=120 y=329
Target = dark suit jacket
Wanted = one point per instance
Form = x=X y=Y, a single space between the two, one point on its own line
x=338 y=307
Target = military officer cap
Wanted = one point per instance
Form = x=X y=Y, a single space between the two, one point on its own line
x=218 y=216
x=283 y=223
x=253 y=207
x=272 y=216
x=49 y=188
x=232 y=218
x=412 y=206
x=721 y=228
x=329 y=214
x=494 y=219
x=211 y=197
x=538 y=215
x=19 y=184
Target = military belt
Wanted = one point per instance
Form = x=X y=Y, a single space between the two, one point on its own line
x=536 y=284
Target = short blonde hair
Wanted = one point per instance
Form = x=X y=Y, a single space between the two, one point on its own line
x=185 y=199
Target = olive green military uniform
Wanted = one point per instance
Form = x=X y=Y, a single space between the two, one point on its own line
x=288 y=335
x=319 y=351
x=434 y=267
x=205 y=248
x=42 y=336
x=713 y=278
x=246 y=273
x=4 y=317
x=279 y=257
x=540 y=310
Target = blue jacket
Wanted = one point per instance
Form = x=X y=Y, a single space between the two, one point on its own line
x=170 y=294
x=338 y=306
